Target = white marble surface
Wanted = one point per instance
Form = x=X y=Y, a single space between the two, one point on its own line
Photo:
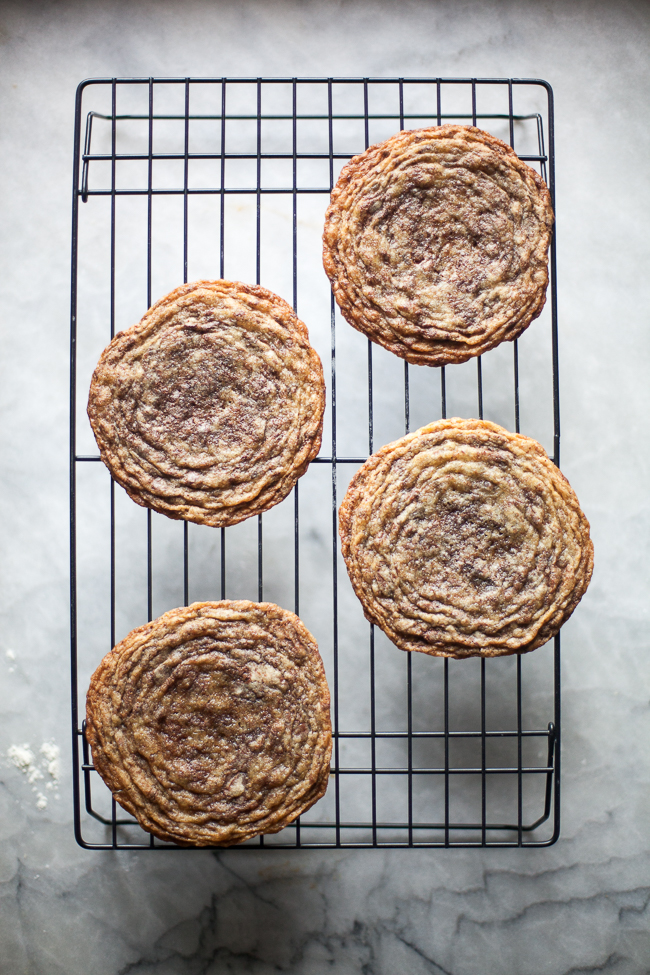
x=580 y=906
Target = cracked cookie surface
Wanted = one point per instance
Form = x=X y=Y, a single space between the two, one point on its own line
x=436 y=243
x=211 y=725
x=211 y=407
x=463 y=539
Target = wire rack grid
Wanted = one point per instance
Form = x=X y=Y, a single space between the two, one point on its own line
x=427 y=752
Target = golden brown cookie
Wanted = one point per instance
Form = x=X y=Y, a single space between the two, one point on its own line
x=436 y=243
x=211 y=407
x=463 y=539
x=211 y=724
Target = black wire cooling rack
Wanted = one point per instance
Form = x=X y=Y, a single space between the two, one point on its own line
x=180 y=179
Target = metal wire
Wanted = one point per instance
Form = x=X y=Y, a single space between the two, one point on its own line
x=414 y=828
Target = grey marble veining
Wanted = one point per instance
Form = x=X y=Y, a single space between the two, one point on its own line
x=580 y=906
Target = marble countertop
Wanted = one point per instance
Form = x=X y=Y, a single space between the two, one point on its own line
x=581 y=905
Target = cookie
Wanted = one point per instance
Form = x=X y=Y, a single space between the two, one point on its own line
x=463 y=539
x=211 y=724
x=436 y=243
x=211 y=407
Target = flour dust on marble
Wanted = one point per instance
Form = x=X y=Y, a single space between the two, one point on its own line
x=42 y=769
